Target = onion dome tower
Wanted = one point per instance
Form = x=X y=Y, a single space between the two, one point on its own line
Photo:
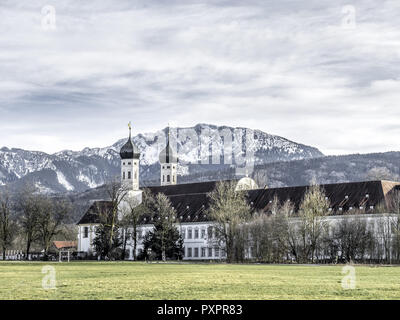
x=130 y=155
x=169 y=164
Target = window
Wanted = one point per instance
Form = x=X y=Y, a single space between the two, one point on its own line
x=196 y=252
x=210 y=232
x=203 y=252
x=184 y=250
x=85 y=232
x=168 y=178
x=129 y=175
x=196 y=233
x=123 y=163
x=135 y=174
x=203 y=233
x=190 y=233
x=163 y=178
x=210 y=252
x=184 y=233
x=173 y=178
x=189 y=252
x=129 y=163
x=168 y=167
x=217 y=252
x=123 y=175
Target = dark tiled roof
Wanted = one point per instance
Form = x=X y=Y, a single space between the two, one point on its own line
x=340 y=195
x=191 y=201
x=185 y=188
x=91 y=215
x=189 y=208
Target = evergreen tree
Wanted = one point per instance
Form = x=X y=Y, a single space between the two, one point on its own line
x=107 y=238
x=164 y=240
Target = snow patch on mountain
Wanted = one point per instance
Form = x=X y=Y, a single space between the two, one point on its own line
x=89 y=182
x=63 y=181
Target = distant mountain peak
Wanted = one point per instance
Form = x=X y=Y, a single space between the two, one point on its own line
x=89 y=168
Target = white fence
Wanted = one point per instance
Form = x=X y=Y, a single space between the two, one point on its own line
x=13 y=255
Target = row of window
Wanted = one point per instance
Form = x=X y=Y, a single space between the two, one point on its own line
x=191 y=233
x=196 y=233
x=168 y=178
x=168 y=167
x=129 y=175
x=203 y=252
x=129 y=163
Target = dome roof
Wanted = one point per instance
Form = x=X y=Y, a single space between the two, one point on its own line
x=129 y=150
x=167 y=155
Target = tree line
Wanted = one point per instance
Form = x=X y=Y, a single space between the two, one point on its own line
x=307 y=235
x=30 y=219
x=279 y=235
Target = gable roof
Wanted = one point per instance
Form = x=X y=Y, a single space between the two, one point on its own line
x=65 y=244
x=340 y=195
x=92 y=214
x=191 y=206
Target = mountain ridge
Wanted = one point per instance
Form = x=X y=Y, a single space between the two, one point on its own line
x=70 y=170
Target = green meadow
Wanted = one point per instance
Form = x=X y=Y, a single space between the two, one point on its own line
x=135 y=280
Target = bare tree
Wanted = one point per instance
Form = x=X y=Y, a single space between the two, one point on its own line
x=393 y=207
x=229 y=209
x=28 y=208
x=133 y=211
x=313 y=209
x=384 y=235
x=116 y=193
x=52 y=213
x=352 y=238
x=283 y=231
x=7 y=224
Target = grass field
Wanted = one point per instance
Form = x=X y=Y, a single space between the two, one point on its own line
x=133 y=280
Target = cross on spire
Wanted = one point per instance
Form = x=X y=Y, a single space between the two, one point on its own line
x=130 y=128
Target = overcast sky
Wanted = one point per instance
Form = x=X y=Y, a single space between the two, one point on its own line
x=304 y=70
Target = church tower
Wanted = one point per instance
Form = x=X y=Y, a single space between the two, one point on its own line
x=130 y=155
x=169 y=164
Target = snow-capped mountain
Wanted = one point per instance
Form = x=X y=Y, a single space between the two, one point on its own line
x=196 y=146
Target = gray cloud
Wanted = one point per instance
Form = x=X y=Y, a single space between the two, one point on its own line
x=286 y=67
